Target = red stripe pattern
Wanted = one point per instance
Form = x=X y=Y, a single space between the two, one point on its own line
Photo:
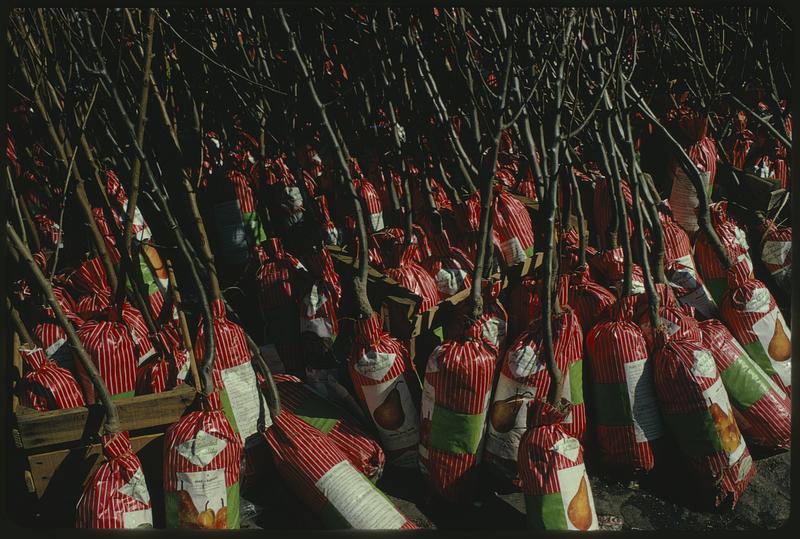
x=618 y=354
x=610 y=265
x=379 y=366
x=689 y=389
x=361 y=450
x=116 y=496
x=512 y=229
x=776 y=253
x=733 y=239
x=320 y=474
x=603 y=208
x=546 y=451
x=48 y=386
x=458 y=378
x=750 y=312
x=414 y=277
x=767 y=422
x=111 y=348
x=200 y=441
x=587 y=298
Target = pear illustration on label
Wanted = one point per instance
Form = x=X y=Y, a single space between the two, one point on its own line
x=504 y=413
x=780 y=347
x=221 y=520
x=206 y=518
x=726 y=428
x=187 y=512
x=155 y=262
x=579 y=511
x=389 y=415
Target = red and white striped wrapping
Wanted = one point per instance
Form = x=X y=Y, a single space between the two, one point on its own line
x=320 y=299
x=390 y=241
x=610 y=265
x=698 y=413
x=116 y=496
x=750 y=312
x=335 y=422
x=776 y=253
x=49 y=231
x=468 y=222
x=275 y=277
x=111 y=348
x=681 y=270
x=558 y=495
x=494 y=320
x=587 y=298
x=674 y=317
x=524 y=305
x=323 y=478
x=233 y=373
x=449 y=266
x=524 y=377
x=763 y=411
x=90 y=282
x=625 y=403
x=330 y=234
x=163 y=370
x=734 y=242
x=570 y=250
x=740 y=142
x=512 y=229
x=202 y=458
x=703 y=153
x=412 y=276
x=48 y=386
x=139 y=332
x=604 y=209
x=455 y=399
x=372 y=202
x=382 y=374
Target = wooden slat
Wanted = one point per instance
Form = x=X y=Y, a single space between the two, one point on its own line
x=39 y=430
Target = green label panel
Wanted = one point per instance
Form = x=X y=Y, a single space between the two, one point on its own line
x=455 y=432
x=545 y=512
x=744 y=382
x=612 y=405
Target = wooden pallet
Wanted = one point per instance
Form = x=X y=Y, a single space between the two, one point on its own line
x=62 y=448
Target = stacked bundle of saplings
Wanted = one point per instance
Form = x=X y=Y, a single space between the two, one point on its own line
x=644 y=336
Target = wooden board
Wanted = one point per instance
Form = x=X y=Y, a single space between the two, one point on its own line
x=36 y=430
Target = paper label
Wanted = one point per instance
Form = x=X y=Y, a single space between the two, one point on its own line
x=242 y=389
x=136 y=488
x=507 y=417
x=207 y=492
x=377 y=221
x=524 y=362
x=759 y=301
x=493 y=330
x=647 y=423
x=314 y=300
x=683 y=199
x=358 y=500
x=567 y=447
x=56 y=347
x=321 y=327
x=577 y=498
x=294 y=200
x=393 y=413
x=744 y=468
x=776 y=252
x=766 y=329
x=231 y=234
x=184 y=370
x=450 y=281
x=374 y=365
x=722 y=414
x=201 y=450
x=512 y=251
x=704 y=365
x=137 y=519
x=426 y=418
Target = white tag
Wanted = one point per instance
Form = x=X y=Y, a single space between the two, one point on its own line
x=523 y=362
x=358 y=500
x=201 y=450
x=321 y=327
x=137 y=519
x=493 y=330
x=704 y=365
x=775 y=252
x=644 y=406
x=567 y=447
x=241 y=386
x=512 y=251
x=136 y=488
x=314 y=300
x=758 y=302
x=374 y=364
x=450 y=281
x=377 y=221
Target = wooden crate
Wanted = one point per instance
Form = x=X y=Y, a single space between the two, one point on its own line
x=61 y=448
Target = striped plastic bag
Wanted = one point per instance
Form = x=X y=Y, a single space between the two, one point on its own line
x=414 y=277
x=750 y=312
x=776 y=253
x=610 y=267
x=319 y=319
x=449 y=266
x=675 y=319
x=524 y=377
x=603 y=209
x=558 y=495
x=337 y=424
x=681 y=270
x=763 y=411
x=733 y=240
x=116 y=496
x=587 y=298
x=46 y=385
x=234 y=377
x=202 y=458
x=625 y=404
x=372 y=201
x=382 y=375
x=512 y=229
x=111 y=348
x=455 y=399
x=323 y=478
x=699 y=415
